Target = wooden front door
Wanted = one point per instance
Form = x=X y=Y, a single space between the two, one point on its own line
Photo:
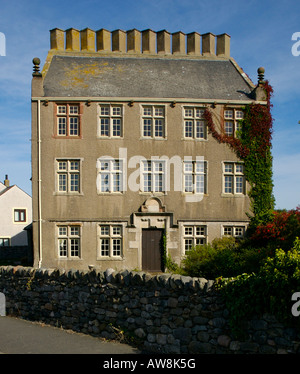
x=151 y=249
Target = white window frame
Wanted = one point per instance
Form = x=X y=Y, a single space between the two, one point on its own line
x=193 y=117
x=110 y=240
x=68 y=176
x=193 y=235
x=151 y=114
x=5 y=241
x=195 y=177
x=111 y=113
x=150 y=171
x=113 y=175
x=69 y=241
x=66 y=126
x=234 y=231
x=232 y=124
x=234 y=182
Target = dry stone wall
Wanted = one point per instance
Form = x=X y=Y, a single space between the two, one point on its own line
x=163 y=313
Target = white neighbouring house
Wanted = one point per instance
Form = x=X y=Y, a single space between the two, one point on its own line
x=16 y=214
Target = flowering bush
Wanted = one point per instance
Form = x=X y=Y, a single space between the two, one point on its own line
x=281 y=231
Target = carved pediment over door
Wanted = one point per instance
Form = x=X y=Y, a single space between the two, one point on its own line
x=153 y=205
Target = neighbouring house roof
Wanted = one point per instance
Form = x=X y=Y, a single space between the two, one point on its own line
x=145 y=77
x=7 y=189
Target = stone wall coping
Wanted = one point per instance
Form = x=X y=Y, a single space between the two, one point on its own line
x=174 y=281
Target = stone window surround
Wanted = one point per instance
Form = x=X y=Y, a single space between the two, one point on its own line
x=68 y=237
x=56 y=172
x=193 y=118
x=111 y=236
x=153 y=116
x=67 y=115
x=111 y=116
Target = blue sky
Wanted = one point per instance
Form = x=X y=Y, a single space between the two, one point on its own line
x=261 y=35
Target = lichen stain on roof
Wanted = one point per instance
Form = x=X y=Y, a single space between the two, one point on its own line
x=142 y=77
x=78 y=75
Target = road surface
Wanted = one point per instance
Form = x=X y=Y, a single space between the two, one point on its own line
x=18 y=336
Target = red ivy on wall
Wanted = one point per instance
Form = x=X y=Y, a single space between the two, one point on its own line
x=253 y=147
x=259 y=129
x=235 y=143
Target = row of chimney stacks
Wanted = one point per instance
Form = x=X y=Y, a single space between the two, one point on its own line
x=146 y=42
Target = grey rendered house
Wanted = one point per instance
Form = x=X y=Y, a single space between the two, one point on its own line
x=121 y=153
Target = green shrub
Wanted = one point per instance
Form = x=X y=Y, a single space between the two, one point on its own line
x=267 y=291
x=223 y=257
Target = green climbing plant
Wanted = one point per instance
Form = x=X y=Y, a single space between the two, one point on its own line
x=253 y=147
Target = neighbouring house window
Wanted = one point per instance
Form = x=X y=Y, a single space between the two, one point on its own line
x=69 y=241
x=153 y=176
x=194 y=236
x=68 y=120
x=234 y=179
x=111 y=240
x=153 y=121
x=235 y=231
x=4 y=242
x=19 y=215
x=68 y=176
x=194 y=123
x=111 y=175
x=111 y=121
x=195 y=176
x=232 y=122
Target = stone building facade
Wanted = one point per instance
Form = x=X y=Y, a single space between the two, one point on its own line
x=122 y=159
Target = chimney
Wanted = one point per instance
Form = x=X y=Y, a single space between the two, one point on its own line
x=72 y=39
x=148 y=41
x=118 y=41
x=87 y=37
x=208 y=44
x=223 y=45
x=134 y=41
x=103 y=40
x=178 y=43
x=57 y=39
x=193 y=44
x=6 y=181
x=163 y=42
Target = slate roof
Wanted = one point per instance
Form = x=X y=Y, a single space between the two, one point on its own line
x=5 y=190
x=144 y=77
